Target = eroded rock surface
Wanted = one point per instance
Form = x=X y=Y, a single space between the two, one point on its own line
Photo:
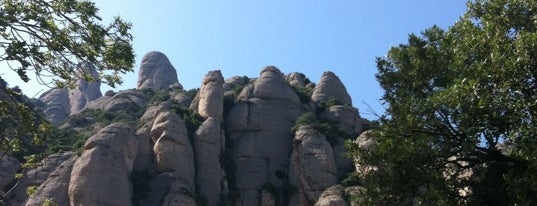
x=85 y=91
x=330 y=86
x=107 y=159
x=259 y=125
x=56 y=187
x=57 y=107
x=313 y=167
x=156 y=72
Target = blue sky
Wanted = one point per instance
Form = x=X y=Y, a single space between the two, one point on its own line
x=240 y=37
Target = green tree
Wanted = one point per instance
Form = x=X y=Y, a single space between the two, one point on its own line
x=50 y=38
x=460 y=126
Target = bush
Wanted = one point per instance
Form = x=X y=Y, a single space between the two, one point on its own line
x=329 y=130
x=304 y=93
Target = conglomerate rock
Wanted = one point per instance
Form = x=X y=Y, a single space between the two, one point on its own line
x=156 y=72
x=101 y=175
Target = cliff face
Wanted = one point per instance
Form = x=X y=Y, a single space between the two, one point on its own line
x=233 y=142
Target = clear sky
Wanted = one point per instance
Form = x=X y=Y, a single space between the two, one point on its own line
x=240 y=37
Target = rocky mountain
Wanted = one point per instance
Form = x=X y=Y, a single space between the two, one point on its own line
x=271 y=140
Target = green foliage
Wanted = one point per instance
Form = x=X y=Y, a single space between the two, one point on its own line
x=331 y=101
x=459 y=100
x=331 y=131
x=49 y=202
x=31 y=190
x=159 y=96
x=64 y=140
x=192 y=119
x=51 y=38
x=192 y=93
x=352 y=179
x=304 y=93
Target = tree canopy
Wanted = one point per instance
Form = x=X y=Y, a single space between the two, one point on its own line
x=460 y=126
x=48 y=40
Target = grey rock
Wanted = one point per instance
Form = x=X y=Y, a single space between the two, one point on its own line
x=211 y=96
x=145 y=158
x=126 y=101
x=272 y=85
x=55 y=188
x=57 y=107
x=259 y=125
x=297 y=79
x=313 y=167
x=156 y=72
x=348 y=120
x=159 y=186
x=207 y=147
x=109 y=93
x=367 y=142
x=108 y=159
x=36 y=176
x=236 y=81
x=333 y=196
x=173 y=150
x=345 y=117
x=330 y=86
x=8 y=168
x=85 y=91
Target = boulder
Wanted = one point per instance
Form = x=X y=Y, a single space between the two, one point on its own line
x=107 y=159
x=234 y=82
x=367 y=142
x=345 y=117
x=333 y=196
x=145 y=158
x=85 y=91
x=348 y=120
x=330 y=86
x=156 y=72
x=125 y=102
x=173 y=150
x=57 y=107
x=55 y=188
x=207 y=147
x=211 y=96
x=313 y=167
x=259 y=127
x=272 y=85
x=36 y=176
x=297 y=79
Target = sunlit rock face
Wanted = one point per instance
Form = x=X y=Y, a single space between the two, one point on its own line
x=85 y=91
x=156 y=72
x=259 y=125
x=331 y=86
x=231 y=143
x=101 y=175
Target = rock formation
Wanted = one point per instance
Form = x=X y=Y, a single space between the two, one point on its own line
x=56 y=187
x=333 y=196
x=85 y=91
x=156 y=72
x=330 y=86
x=37 y=175
x=174 y=155
x=57 y=105
x=107 y=159
x=208 y=141
x=313 y=167
x=231 y=144
x=259 y=125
